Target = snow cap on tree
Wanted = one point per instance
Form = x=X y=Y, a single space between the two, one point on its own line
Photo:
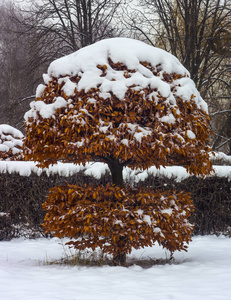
x=119 y=99
x=10 y=143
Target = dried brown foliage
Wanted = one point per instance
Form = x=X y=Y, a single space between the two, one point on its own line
x=21 y=199
x=117 y=220
x=92 y=127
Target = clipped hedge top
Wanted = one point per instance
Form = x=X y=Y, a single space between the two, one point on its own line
x=98 y=170
x=10 y=142
x=115 y=65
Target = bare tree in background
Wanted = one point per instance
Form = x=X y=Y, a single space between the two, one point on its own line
x=16 y=80
x=71 y=24
x=34 y=35
x=198 y=32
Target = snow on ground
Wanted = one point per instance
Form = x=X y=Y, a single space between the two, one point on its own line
x=202 y=273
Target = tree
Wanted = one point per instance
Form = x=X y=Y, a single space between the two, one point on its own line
x=124 y=103
x=198 y=33
x=220 y=113
x=45 y=30
x=71 y=25
x=18 y=76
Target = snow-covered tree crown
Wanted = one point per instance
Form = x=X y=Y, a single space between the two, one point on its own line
x=119 y=99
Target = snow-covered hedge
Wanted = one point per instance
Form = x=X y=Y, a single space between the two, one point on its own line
x=10 y=143
x=24 y=187
x=220 y=158
x=97 y=170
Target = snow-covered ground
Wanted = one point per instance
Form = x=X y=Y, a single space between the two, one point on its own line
x=203 y=273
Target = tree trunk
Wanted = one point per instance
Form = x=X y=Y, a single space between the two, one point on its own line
x=119 y=259
x=116 y=169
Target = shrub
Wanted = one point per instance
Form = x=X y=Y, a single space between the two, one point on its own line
x=118 y=219
x=10 y=143
x=123 y=103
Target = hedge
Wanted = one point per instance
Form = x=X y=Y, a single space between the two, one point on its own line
x=21 y=199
